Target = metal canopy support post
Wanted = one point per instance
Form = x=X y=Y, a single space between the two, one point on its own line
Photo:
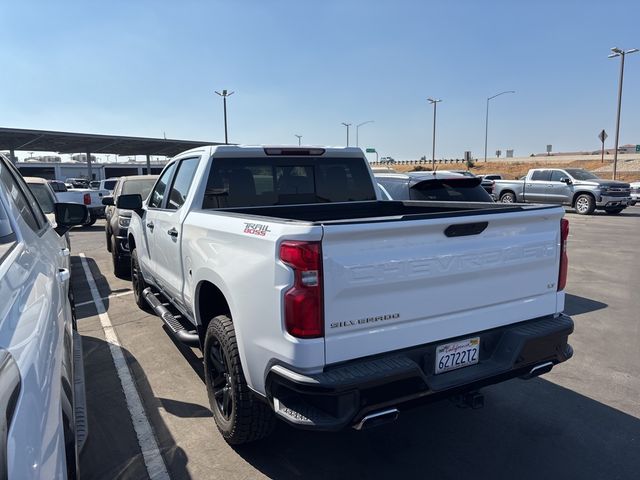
x=12 y=153
x=148 y=164
x=89 y=170
x=615 y=150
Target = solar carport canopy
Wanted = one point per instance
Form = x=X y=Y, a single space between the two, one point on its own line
x=65 y=142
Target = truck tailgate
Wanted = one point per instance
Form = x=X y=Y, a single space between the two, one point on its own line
x=392 y=285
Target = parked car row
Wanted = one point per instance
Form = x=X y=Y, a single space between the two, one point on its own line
x=570 y=187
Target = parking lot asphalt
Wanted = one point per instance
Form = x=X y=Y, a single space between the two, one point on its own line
x=582 y=420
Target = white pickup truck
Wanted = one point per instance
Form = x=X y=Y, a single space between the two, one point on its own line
x=317 y=303
x=92 y=199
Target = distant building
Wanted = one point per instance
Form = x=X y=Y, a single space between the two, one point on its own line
x=100 y=171
x=629 y=148
x=82 y=157
x=44 y=159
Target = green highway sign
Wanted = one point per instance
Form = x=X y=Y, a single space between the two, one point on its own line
x=373 y=150
x=637 y=148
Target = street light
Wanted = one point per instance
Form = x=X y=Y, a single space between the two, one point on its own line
x=433 y=151
x=224 y=96
x=358 y=128
x=347 y=125
x=616 y=52
x=486 y=121
x=299 y=139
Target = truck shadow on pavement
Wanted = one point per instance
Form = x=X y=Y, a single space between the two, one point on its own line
x=575 y=305
x=112 y=450
x=82 y=292
x=532 y=429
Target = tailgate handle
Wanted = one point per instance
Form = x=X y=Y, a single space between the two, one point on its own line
x=465 y=229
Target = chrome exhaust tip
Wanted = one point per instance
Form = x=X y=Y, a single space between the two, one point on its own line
x=538 y=370
x=377 y=418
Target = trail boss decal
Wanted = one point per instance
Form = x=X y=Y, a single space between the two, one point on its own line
x=256 y=229
x=362 y=321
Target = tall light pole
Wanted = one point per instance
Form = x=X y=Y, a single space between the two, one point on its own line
x=224 y=96
x=347 y=125
x=358 y=128
x=299 y=139
x=434 y=102
x=617 y=52
x=486 y=121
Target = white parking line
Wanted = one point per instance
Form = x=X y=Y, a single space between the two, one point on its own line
x=115 y=295
x=146 y=439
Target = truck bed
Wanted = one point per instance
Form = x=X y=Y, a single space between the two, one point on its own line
x=374 y=211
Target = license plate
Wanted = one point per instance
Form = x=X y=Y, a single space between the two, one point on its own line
x=454 y=355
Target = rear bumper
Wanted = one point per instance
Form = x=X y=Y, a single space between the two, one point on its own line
x=96 y=212
x=343 y=394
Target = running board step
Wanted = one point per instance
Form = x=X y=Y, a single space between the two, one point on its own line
x=79 y=395
x=188 y=337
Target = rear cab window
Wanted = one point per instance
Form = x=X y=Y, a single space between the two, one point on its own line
x=541 y=175
x=235 y=182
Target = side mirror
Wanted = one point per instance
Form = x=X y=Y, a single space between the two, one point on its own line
x=130 y=202
x=107 y=200
x=566 y=180
x=69 y=215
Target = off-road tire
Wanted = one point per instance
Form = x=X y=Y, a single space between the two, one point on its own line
x=614 y=211
x=248 y=419
x=108 y=239
x=138 y=284
x=585 y=204
x=508 y=197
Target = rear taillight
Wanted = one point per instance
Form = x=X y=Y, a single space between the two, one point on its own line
x=303 y=314
x=86 y=199
x=564 y=259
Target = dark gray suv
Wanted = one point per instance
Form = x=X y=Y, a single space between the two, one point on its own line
x=118 y=219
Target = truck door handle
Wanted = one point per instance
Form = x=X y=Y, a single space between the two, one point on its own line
x=173 y=233
x=150 y=226
x=63 y=275
x=64 y=252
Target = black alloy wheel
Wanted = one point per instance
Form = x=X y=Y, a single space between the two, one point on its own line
x=221 y=381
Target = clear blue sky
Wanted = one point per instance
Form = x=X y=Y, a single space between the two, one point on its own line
x=303 y=67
